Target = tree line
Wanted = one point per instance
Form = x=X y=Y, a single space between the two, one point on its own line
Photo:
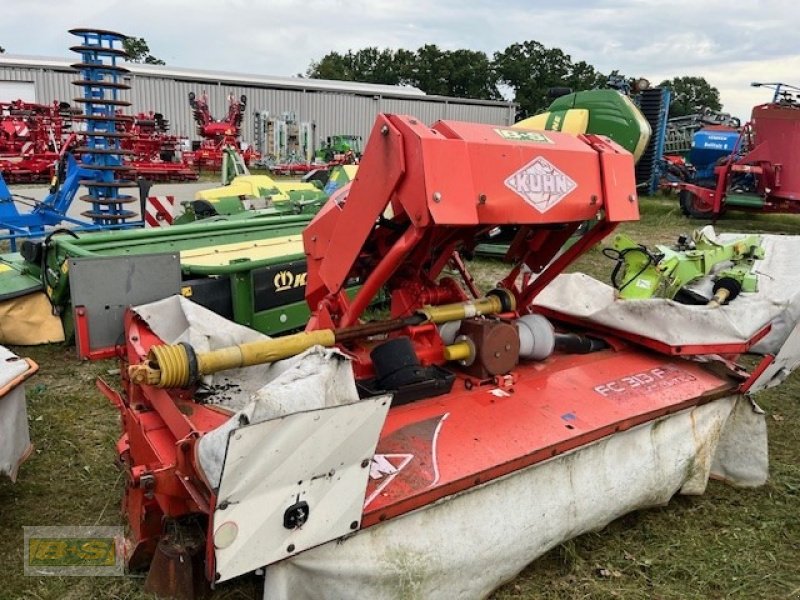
x=527 y=70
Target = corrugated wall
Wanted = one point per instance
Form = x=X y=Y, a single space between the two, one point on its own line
x=333 y=112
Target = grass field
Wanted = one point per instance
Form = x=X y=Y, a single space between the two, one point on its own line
x=726 y=544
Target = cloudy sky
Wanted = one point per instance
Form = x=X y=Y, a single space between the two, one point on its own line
x=729 y=43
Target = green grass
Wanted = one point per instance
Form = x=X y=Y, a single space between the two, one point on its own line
x=728 y=543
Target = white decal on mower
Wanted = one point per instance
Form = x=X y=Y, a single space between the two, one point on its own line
x=541 y=184
x=386 y=467
x=423 y=438
x=646 y=382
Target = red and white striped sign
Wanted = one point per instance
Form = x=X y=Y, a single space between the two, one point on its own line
x=159 y=211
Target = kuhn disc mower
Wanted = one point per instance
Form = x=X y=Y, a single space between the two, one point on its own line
x=447 y=444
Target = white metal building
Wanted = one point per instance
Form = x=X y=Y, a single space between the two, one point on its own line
x=334 y=106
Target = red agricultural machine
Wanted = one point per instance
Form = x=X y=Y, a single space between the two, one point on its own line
x=432 y=412
x=762 y=174
x=31 y=137
x=155 y=154
x=217 y=134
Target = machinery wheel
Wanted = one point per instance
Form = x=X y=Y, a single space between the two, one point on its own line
x=694 y=206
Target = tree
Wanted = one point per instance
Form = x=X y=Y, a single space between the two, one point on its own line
x=531 y=69
x=584 y=76
x=139 y=52
x=464 y=73
x=690 y=95
x=368 y=65
x=461 y=73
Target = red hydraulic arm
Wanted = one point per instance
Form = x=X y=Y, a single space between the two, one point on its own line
x=423 y=193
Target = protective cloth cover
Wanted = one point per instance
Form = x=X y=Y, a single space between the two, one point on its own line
x=317 y=378
x=480 y=538
x=176 y=319
x=29 y=321
x=777 y=302
x=15 y=442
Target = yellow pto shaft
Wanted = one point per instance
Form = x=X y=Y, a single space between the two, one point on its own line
x=171 y=366
x=178 y=365
x=492 y=304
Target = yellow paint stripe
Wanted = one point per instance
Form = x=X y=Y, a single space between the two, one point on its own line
x=576 y=121
x=536 y=122
x=215 y=256
x=644 y=130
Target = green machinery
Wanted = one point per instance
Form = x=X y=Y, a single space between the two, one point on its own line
x=601 y=111
x=243 y=195
x=337 y=146
x=667 y=270
x=249 y=270
x=237 y=250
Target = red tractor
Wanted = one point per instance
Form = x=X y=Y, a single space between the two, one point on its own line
x=217 y=134
x=762 y=174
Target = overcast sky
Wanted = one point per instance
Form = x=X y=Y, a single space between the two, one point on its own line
x=730 y=43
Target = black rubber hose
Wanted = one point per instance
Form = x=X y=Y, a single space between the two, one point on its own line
x=574 y=343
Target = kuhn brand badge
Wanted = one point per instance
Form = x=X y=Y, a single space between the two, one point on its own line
x=541 y=184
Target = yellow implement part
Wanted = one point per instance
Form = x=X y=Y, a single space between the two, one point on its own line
x=458 y=351
x=29 y=320
x=171 y=365
x=644 y=128
x=574 y=121
x=256 y=186
x=213 y=256
x=490 y=305
x=351 y=171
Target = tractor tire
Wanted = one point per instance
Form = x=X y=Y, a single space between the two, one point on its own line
x=693 y=206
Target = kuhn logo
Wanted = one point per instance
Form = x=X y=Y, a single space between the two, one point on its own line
x=541 y=184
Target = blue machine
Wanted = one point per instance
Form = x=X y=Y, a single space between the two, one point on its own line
x=101 y=154
x=50 y=212
x=101 y=83
x=654 y=105
x=708 y=146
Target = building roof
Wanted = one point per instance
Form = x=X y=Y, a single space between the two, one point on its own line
x=323 y=85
